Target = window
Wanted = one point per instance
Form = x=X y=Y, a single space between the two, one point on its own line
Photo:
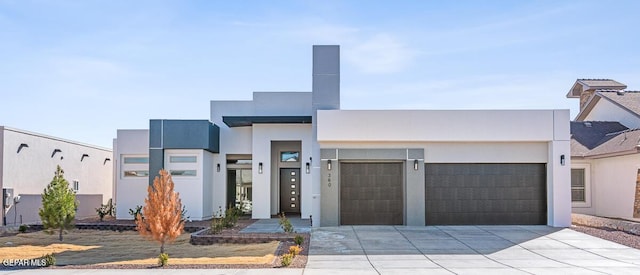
x=183 y=159
x=289 y=156
x=139 y=173
x=578 y=186
x=185 y=173
x=76 y=185
x=136 y=160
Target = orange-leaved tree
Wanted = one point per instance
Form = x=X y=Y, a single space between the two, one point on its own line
x=162 y=212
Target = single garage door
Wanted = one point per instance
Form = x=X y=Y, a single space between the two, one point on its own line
x=471 y=193
x=371 y=193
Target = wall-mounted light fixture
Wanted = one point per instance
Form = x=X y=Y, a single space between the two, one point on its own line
x=55 y=151
x=415 y=164
x=328 y=164
x=218 y=167
x=562 y=160
x=105 y=161
x=308 y=168
x=22 y=145
x=84 y=156
x=260 y=168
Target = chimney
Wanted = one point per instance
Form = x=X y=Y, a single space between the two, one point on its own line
x=326 y=77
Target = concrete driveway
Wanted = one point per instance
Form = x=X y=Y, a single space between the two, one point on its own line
x=465 y=250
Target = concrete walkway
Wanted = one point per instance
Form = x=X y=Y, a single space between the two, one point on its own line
x=465 y=250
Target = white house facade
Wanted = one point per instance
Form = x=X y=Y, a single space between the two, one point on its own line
x=605 y=137
x=299 y=153
x=27 y=164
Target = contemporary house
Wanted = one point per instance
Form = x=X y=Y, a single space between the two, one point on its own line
x=299 y=153
x=605 y=137
x=27 y=164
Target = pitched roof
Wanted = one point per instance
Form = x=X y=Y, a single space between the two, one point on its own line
x=630 y=100
x=583 y=84
x=596 y=138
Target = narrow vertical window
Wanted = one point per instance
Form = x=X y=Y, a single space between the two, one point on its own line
x=578 y=191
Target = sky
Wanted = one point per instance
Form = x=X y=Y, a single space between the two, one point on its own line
x=80 y=70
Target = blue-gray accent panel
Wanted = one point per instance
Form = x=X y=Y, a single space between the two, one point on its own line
x=155 y=133
x=187 y=134
x=156 y=162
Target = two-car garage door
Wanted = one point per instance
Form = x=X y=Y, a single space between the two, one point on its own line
x=455 y=193
x=490 y=193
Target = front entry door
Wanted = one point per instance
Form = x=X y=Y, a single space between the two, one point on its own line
x=290 y=190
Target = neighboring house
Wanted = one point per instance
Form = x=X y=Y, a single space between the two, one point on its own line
x=28 y=162
x=297 y=152
x=605 y=136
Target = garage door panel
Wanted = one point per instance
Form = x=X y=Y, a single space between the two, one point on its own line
x=371 y=193
x=490 y=193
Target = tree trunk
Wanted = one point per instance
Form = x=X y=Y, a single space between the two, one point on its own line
x=60 y=233
x=161 y=247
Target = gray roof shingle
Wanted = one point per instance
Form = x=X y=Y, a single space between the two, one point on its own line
x=627 y=99
x=594 y=83
x=592 y=138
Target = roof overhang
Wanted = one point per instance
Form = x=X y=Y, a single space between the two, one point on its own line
x=243 y=121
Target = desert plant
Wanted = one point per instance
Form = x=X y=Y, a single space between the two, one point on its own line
x=295 y=250
x=285 y=223
x=298 y=239
x=23 y=228
x=58 y=204
x=136 y=213
x=286 y=259
x=102 y=211
x=163 y=259
x=111 y=208
x=162 y=211
x=49 y=259
x=183 y=214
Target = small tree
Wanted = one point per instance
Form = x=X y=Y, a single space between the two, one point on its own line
x=58 y=204
x=162 y=212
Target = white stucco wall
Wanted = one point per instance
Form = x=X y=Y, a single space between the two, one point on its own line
x=190 y=187
x=537 y=136
x=604 y=110
x=29 y=171
x=613 y=183
x=130 y=191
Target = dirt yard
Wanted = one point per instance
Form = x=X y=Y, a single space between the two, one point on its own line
x=93 y=247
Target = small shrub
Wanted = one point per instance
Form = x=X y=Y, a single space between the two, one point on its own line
x=295 y=250
x=217 y=224
x=286 y=259
x=49 y=259
x=23 y=228
x=298 y=239
x=102 y=211
x=285 y=223
x=183 y=214
x=111 y=208
x=163 y=259
x=136 y=212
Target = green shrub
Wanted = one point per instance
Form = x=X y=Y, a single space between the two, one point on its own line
x=102 y=211
x=286 y=259
x=135 y=212
x=298 y=239
x=23 y=228
x=285 y=223
x=163 y=259
x=49 y=259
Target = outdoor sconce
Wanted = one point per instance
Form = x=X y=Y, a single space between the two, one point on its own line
x=562 y=160
x=84 y=156
x=260 y=168
x=105 y=161
x=308 y=168
x=415 y=164
x=218 y=167
x=328 y=164
x=55 y=151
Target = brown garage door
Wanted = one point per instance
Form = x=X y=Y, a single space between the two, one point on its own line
x=469 y=193
x=371 y=193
